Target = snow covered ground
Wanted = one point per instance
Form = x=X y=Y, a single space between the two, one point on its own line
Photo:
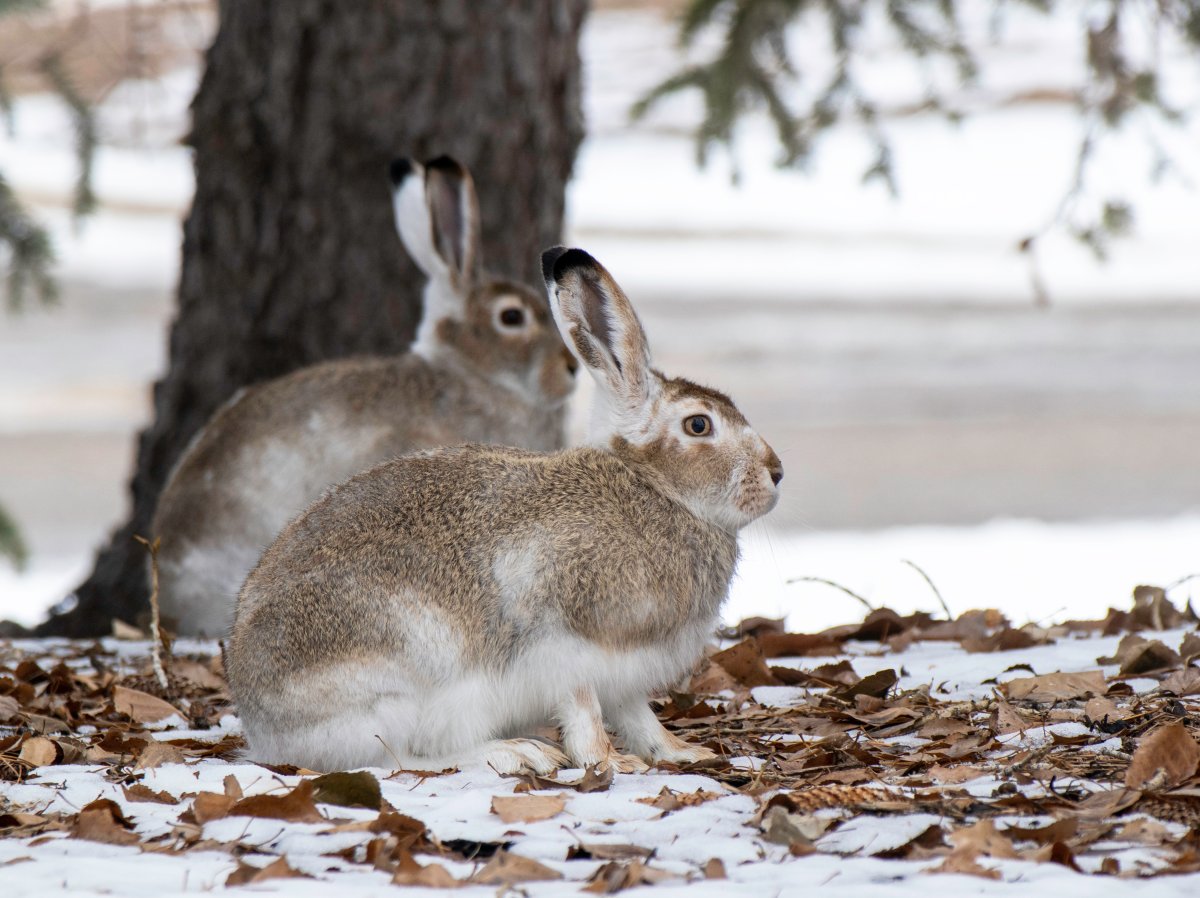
x=889 y=349
x=989 y=770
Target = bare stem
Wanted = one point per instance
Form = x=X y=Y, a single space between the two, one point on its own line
x=155 y=626
x=847 y=591
x=936 y=592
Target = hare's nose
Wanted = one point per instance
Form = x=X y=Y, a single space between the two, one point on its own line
x=777 y=475
x=572 y=362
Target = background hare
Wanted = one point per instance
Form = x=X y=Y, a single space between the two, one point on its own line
x=487 y=365
x=435 y=609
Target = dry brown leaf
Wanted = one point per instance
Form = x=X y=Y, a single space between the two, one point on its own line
x=1058 y=831
x=784 y=828
x=1138 y=655
x=616 y=876
x=952 y=776
x=796 y=645
x=141 y=706
x=139 y=792
x=1101 y=708
x=1009 y=720
x=349 y=790
x=668 y=800
x=432 y=876
x=744 y=662
x=877 y=684
x=963 y=863
x=297 y=806
x=40 y=752
x=506 y=869
x=1167 y=757
x=982 y=838
x=1056 y=687
x=602 y=851
x=1144 y=832
x=9 y=708
x=158 y=753
x=210 y=806
x=102 y=821
x=527 y=808
x=197 y=672
x=233 y=789
x=1182 y=682
x=714 y=869
x=277 y=869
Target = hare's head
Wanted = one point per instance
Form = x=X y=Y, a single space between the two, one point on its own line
x=498 y=329
x=693 y=439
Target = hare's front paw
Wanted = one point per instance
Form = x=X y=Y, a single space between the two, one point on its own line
x=621 y=763
x=521 y=755
x=683 y=753
x=675 y=751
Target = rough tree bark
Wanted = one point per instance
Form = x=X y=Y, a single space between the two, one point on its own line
x=289 y=253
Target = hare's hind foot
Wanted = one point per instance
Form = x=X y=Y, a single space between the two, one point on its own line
x=647 y=738
x=584 y=737
x=521 y=755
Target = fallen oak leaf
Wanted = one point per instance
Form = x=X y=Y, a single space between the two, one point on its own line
x=156 y=754
x=142 y=706
x=102 y=821
x=140 y=792
x=527 y=808
x=604 y=852
x=616 y=876
x=351 y=790
x=1167 y=757
x=1138 y=655
x=433 y=876
x=38 y=751
x=877 y=684
x=744 y=662
x=506 y=869
x=296 y=807
x=1055 y=687
x=208 y=806
x=277 y=869
x=669 y=800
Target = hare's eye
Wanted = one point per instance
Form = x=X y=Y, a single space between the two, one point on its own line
x=697 y=425
x=512 y=317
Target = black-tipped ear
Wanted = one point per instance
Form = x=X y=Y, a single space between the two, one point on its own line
x=399 y=169
x=549 y=257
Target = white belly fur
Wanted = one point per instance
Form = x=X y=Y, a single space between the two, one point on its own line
x=378 y=715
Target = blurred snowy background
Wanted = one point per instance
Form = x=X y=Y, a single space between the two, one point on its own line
x=1042 y=460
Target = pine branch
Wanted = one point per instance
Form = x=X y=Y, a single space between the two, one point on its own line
x=29 y=253
x=12 y=546
x=84 y=122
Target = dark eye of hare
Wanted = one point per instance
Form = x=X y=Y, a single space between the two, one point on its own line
x=698 y=425
x=512 y=317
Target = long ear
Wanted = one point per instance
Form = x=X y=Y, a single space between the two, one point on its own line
x=437 y=215
x=598 y=323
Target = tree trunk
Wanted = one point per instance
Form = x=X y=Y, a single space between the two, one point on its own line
x=290 y=255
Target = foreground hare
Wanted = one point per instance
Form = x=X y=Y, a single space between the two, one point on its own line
x=487 y=365
x=437 y=608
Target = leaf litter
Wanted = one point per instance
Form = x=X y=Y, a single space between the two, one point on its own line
x=1076 y=749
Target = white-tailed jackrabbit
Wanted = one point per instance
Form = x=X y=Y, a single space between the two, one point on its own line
x=438 y=608
x=487 y=365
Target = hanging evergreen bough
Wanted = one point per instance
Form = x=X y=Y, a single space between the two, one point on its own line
x=25 y=251
x=1121 y=84
x=12 y=546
